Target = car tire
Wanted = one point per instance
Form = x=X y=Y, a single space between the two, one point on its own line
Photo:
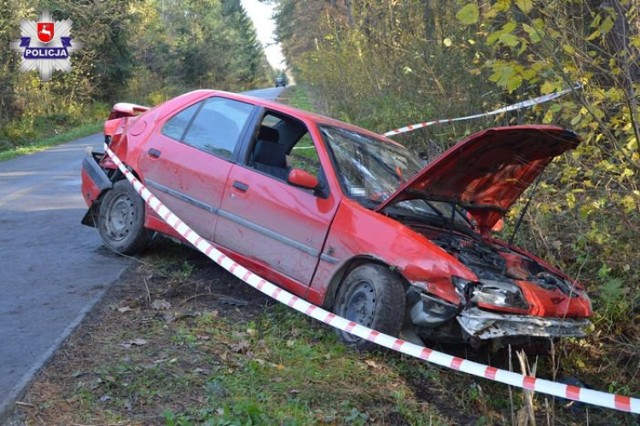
x=371 y=295
x=121 y=220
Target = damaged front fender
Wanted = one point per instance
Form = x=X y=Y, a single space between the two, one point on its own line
x=426 y=310
x=94 y=182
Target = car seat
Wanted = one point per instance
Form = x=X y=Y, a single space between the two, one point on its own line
x=268 y=155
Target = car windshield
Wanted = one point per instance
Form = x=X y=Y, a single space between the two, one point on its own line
x=369 y=169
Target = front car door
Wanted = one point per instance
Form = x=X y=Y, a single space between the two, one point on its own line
x=278 y=227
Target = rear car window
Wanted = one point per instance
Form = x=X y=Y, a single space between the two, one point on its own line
x=176 y=126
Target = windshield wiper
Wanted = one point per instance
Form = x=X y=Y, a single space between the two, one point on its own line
x=454 y=210
x=464 y=216
x=432 y=207
x=429 y=219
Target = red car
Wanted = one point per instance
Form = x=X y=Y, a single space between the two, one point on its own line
x=341 y=216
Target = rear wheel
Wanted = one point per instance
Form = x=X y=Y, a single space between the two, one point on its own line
x=373 y=296
x=121 y=220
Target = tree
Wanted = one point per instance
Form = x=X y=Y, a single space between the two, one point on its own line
x=383 y=64
x=139 y=50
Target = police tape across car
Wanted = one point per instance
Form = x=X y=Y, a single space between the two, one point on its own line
x=355 y=224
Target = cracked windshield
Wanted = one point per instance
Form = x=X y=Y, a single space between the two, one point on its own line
x=369 y=169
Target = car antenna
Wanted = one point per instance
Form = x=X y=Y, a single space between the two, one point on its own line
x=524 y=210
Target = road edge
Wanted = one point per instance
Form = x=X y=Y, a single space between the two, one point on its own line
x=7 y=406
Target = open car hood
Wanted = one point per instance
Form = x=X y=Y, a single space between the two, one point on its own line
x=488 y=171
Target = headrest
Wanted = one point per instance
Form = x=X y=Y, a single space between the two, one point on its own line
x=268 y=134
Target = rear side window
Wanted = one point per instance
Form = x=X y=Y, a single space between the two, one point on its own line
x=215 y=128
x=176 y=127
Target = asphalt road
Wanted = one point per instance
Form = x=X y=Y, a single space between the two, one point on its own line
x=53 y=270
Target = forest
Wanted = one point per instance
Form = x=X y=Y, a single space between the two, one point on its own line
x=141 y=51
x=384 y=64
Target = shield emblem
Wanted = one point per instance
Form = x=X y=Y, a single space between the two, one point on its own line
x=45 y=31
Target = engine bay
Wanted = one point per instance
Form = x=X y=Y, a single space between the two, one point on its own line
x=492 y=261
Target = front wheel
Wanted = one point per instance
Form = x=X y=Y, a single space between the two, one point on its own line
x=121 y=220
x=373 y=296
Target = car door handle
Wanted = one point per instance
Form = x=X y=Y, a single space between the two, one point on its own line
x=154 y=153
x=240 y=186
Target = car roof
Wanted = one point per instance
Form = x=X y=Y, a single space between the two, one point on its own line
x=286 y=109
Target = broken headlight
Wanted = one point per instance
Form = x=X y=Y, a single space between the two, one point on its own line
x=462 y=286
x=498 y=293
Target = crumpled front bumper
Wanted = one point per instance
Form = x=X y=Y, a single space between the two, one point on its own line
x=490 y=325
x=94 y=182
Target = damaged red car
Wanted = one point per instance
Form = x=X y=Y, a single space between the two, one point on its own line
x=343 y=217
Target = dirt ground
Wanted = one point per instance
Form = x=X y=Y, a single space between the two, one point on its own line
x=172 y=285
x=187 y=287
x=124 y=343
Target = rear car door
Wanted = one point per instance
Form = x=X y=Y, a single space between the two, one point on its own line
x=186 y=161
x=268 y=220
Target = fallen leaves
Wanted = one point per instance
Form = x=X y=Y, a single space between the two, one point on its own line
x=135 y=342
x=160 y=305
x=170 y=317
x=371 y=363
x=242 y=346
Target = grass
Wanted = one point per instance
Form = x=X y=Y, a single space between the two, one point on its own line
x=48 y=142
x=217 y=352
x=298 y=97
x=200 y=361
x=284 y=373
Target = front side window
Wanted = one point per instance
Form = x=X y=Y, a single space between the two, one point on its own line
x=283 y=144
x=304 y=156
x=216 y=127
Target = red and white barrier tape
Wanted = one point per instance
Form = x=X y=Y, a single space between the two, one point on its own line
x=602 y=399
x=520 y=105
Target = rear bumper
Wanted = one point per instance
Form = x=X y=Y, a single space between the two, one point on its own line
x=490 y=325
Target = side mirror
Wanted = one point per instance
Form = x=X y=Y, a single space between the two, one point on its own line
x=303 y=179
